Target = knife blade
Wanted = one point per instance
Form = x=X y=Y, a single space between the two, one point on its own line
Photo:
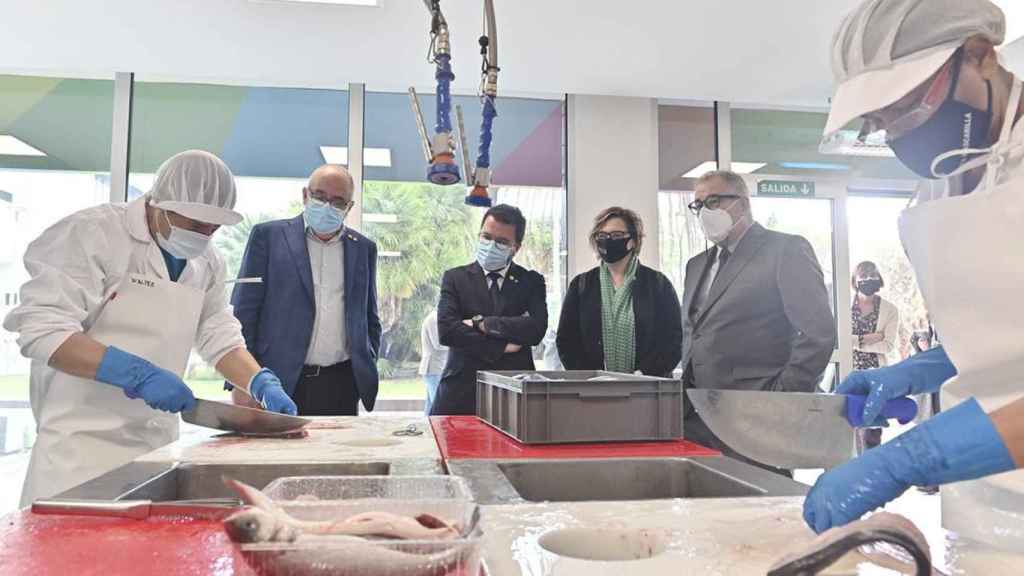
x=787 y=430
x=211 y=508
x=233 y=418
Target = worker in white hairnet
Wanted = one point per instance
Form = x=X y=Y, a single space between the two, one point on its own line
x=118 y=296
x=926 y=72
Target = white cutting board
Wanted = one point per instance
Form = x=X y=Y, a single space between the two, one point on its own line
x=333 y=439
x=707 y=537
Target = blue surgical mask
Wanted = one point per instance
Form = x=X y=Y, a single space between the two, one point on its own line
x=492 y=256
x=324 y=218
x=183 y=244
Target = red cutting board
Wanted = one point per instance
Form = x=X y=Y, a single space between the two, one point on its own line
x=469 y=438
x=44 y=545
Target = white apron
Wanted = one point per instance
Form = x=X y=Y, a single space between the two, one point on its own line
x=968 y=254
x=87 y=428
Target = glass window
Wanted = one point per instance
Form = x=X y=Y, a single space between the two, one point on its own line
x=874 y=236
x=54 y=160
x=787 y=143
x=422 y=229
x=686 y=150
x=271 y=138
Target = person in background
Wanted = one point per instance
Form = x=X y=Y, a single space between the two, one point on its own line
x=756 y=310
x=314 y=318
x=613 y=317
x=490 y=313
x=876 y=326
x=432 y=357
x=923 y=340
x=117 y=297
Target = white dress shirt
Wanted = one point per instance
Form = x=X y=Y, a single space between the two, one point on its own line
x=329 y=344
x=501 y=279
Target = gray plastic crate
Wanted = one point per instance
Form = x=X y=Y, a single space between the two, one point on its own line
x=565 y=407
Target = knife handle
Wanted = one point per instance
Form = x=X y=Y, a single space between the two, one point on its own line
x=903 y=409
x=137 y=509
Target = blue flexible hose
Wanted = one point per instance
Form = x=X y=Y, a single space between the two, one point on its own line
x=483 y=159
x=444 y=77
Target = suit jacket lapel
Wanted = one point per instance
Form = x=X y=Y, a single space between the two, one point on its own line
x=510 y=287
x=692 y=283
x=295 y=236
x=348 y=253
x=745 y=252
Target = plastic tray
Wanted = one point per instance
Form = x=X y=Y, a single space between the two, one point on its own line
x=334 y=555
x=566 y=407
x=325 y=488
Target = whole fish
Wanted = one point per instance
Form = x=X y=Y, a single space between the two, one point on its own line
x=352 y=556
x=265 y=521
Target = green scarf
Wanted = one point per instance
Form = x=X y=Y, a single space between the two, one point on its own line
x=617 y=321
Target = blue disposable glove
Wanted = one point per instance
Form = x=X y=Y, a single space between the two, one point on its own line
x=959 y=444
x=266 y=388
x=139 y=378
x=920 y=374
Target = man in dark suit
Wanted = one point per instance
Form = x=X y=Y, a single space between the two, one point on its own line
x=313 y=319
x=491 y=312
x=756 y=311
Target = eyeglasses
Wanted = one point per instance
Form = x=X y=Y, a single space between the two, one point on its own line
x=499 y=241
x=712 y=202
x=602 y=236
x=339 y=204
x=918 y=106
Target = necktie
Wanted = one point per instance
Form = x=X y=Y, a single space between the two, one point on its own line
x=495 y=292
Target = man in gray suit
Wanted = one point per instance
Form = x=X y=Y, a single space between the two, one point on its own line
x=756 y=313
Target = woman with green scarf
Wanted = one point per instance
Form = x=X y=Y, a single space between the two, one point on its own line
x=620 y=316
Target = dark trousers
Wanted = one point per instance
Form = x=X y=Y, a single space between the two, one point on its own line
x=695 y=430
x=327 y=391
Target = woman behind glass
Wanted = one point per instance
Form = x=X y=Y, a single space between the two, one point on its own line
x=876 y=324
x=620 y=316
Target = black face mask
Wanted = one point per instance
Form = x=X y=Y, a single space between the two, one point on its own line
x=954 y=126
x=869 y=287
x=613 y=249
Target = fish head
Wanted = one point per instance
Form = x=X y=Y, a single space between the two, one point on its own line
x=251 y=525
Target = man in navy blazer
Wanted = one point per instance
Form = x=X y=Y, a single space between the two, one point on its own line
x=313 y=318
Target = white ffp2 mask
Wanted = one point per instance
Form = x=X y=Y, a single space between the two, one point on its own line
x=717 y=224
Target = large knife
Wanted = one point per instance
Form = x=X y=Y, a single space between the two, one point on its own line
x=233 y=418
x=207 y=508
x=788 y=430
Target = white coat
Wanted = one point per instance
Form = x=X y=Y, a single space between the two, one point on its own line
x=75 y=266
x=969 y=265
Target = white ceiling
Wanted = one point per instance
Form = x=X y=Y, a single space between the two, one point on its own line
x=752 y=51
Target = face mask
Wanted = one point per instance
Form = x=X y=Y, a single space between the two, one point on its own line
x=954 y=126
x=492 y=256
x=182 y=244
x=869 y=287
x=613 y=249
x=324 y=218
x=717 y=224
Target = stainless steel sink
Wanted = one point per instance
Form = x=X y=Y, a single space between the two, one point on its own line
x=190 y=481
x=494 y=482
x=183 y=481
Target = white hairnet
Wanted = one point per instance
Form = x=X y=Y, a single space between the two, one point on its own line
x=197 y=185
x=886 y=48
